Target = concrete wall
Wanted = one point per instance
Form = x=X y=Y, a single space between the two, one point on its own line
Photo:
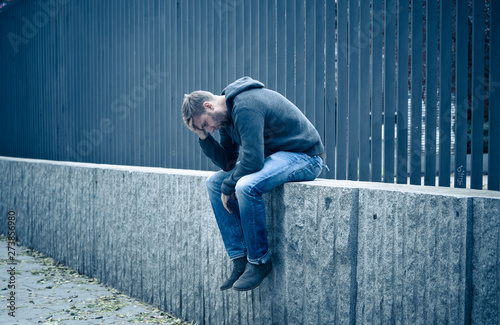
x=344 y=252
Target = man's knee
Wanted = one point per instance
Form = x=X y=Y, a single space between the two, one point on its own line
x=210 y=184
x=214 y=183
x=246 y=187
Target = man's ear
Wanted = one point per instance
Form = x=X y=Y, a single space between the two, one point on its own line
x=208 y=106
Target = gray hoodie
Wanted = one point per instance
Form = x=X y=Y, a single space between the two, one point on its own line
x=262 y=122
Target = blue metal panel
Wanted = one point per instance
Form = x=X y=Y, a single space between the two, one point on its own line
x=12 y=135
x=140 y=57
x=118 y=83
x=231 y=41
x=431 y=94
x=195 y=66
x=402 y=96
x=211 y=58
x=239 y=35
x=353 y=63
x=167 y=87
x=416 y=92
x=176 y=82
x=364 y=93
x=12 y=50
x=163 y=89
x=300 y=55
x=254 y=27
x=183 y=43
x=310 y=62
x=342 y=99
x=271 y=44
x=477 y=93
x=217 y=50
x=494 y=97
x=46 y=104
x=462 y=35
x=247 y=11
x=330 y=104
x=290 y=53
x=319 y=82
x=223 y=42
x=155 y=94
x=7 y=98
x=105 y=88
x=203 y=69
x=281 y=50
x=262 y=51
x=389 y=90
x=314 y=69
x=445 y=93
x=86 y=66
x=143 y=61
x=376 y=91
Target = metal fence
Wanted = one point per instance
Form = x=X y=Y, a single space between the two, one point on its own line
x=401 y=91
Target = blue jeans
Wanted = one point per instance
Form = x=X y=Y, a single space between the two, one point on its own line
x=244 y=231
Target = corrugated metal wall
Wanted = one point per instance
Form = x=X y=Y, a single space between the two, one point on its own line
x=103 y=81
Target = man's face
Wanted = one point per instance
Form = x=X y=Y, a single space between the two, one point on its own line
x=211 y=121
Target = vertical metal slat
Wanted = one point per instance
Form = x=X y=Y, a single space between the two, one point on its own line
x=281 y=47
x=364 y=95
x=376 y=91
x=300 y=55
x=290 y=51
x=353 y=91
x=389 y=90
x=319 y=82
x=271 y=44
x=402 y=96
x=224 y=58
x=254 y=39
x=330 y=105
x=416 y=92
x=462 y=35
x=431 y=94
x=239 y=35
x=445 y=93
x=494 y=97
x=231 y=42
x=262 y=30
x=310 y=63
x=477 y=93
x=342 y=54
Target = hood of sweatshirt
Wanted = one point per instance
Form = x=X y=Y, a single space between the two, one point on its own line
x=237 y=87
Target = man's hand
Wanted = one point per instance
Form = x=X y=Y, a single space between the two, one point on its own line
x=225 y=199
x=201 y=133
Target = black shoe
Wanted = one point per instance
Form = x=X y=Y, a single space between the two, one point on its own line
x=253 y=276
x=239 y=265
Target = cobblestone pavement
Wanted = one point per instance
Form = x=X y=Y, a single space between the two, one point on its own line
x=49 y=293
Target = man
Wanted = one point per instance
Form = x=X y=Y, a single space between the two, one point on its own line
x=277 y=145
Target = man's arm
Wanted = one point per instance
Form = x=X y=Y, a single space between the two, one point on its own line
x=202 y=134
x=250 y=125
x=223 y=154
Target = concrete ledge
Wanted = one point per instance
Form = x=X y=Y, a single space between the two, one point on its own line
x=344 y=252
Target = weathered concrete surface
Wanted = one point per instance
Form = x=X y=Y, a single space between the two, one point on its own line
x=314 y=253
x=343 y=252
x=485 y=262
x=412 y=258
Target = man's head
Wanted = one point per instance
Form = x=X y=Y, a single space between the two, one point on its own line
x=203 y=110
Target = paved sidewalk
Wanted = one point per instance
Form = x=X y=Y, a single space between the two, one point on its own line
x=50 y=293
